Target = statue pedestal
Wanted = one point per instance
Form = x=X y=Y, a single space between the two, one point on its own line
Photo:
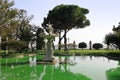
x=48 y=59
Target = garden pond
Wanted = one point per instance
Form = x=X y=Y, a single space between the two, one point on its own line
x=78 y=68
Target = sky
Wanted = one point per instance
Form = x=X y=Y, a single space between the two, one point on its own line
x=103 y=14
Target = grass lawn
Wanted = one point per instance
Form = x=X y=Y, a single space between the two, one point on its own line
x=68 y=52
x=87 y=52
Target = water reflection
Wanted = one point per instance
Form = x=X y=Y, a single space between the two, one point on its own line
x=0 y=69
x=32 y=62
x=93 y=67
x=43 y=73
x=33 y=74
x=65 y=68
x=63 y=73
x=6 y=62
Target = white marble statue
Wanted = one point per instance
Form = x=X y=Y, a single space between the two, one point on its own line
x=49 y=45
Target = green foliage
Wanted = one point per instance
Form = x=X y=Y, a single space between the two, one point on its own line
x=97 y=46
x=108 y=38
x=10 y=53
x=14 y=25
x=65 y=18
x=114 y=54
x=26 y=35
x=113 y=38
x=82 y=45
x=113 y=74
x=40 y=40
x=7 y=16
x=14 y=45
x=24 y=30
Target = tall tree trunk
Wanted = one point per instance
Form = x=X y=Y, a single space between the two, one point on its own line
x=65 y=40
x=59 y=43
x=107 y=46
x=61 y=37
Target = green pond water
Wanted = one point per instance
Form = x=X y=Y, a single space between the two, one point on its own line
x=77 y=68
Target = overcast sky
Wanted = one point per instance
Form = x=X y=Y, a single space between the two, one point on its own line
x=103 y=14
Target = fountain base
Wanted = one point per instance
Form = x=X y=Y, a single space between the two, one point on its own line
x=48 y=59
